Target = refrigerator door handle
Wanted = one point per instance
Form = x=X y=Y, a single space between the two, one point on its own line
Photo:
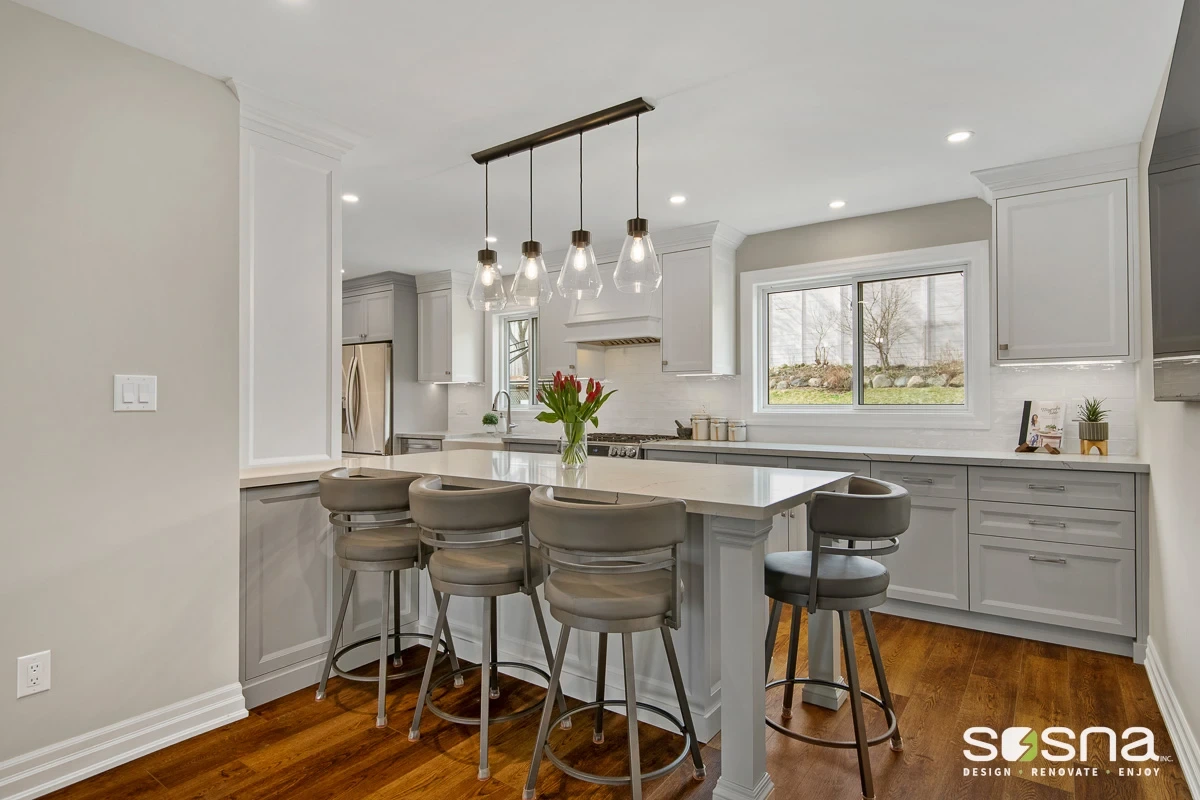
x=352 y=373
x=358 y=380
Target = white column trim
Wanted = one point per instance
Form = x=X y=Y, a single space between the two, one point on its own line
x=1182 y=737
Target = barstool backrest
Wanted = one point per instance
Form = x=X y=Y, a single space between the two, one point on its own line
x=870 y=509
x=446 y=510
x=605 y=528
x=360 y=490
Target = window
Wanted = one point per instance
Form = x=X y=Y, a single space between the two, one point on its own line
x=894 y=336
x=518 y=368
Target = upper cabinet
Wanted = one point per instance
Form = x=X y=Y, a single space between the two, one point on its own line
x=367 y=317
x=1064 y=252
x=698 y=328
x=449 y=332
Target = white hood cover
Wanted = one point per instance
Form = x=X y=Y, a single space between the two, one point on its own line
x=615 y=318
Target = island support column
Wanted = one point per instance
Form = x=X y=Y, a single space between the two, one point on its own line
x=742 y=547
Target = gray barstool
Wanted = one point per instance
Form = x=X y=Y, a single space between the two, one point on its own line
x=473 y=557
x=371 y=508
x=841 y=579
x=615 y=570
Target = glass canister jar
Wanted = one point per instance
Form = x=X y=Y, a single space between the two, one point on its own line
x=719 y=428
x=700 y=427
x=737 y=430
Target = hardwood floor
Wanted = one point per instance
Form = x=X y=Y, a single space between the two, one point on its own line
x=944 y=680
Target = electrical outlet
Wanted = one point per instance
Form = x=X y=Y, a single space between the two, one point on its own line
x=33 y=673
x=462 y=410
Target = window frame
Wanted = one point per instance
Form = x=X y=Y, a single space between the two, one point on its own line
x=500 y=342
x=971 y=259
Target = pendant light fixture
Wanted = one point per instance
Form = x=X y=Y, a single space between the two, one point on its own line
x=487 y=289
x=531 y=285
x=580 y=275
x=637 y=270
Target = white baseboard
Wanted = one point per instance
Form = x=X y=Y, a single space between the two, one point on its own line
x=1182 y=737
x=53 y=767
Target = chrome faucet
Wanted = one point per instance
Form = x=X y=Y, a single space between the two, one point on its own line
x=506 y=413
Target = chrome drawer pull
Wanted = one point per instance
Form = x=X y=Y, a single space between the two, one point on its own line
x=1046 y=487
x=909 y=479
x=1046 y=560
x=1041 y=523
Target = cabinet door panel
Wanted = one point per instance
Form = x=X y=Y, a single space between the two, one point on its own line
x=289 y=579
x=433 y=336
x=362 y=615
x=687 y=311
x=931 y=565
x=378 y=313
x=1062 y=273
x=353 y=320
x=1174 y=242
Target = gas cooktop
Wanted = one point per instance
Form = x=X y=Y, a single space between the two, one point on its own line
x=626 y=438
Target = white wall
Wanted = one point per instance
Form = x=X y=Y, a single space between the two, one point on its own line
x=1170 y=439
x=119 y=246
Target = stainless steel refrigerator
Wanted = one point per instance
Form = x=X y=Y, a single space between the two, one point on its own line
x=367 y=398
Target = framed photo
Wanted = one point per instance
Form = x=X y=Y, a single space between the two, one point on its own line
x=1042 y=425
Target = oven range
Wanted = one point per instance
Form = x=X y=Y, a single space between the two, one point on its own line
x=621 y=445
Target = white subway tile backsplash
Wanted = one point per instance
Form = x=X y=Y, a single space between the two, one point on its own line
x=649 y=401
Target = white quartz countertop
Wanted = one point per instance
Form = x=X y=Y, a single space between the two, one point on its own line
x=742 y=492
x=913 y=455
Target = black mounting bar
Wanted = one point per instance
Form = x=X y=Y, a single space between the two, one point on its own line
x=597 y=119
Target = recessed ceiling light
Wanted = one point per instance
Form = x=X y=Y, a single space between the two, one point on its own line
x=959 y=136
x=343 y=272
x=349 y=198
x=678 y=198
x=837 y=204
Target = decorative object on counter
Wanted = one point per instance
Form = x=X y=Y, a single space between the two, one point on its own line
x=1093 y=429
x=490 y=421
x=1042 y=426
x=531 y=285
x=682 y=431
x=737 y=430
x=637 y=269
x=719 y=427
x=700 y=425
x=487 y=289
x=574 y=408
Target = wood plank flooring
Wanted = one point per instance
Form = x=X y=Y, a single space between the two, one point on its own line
x=944 y=680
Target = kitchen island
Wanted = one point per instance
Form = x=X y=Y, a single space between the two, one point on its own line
x=731 y=511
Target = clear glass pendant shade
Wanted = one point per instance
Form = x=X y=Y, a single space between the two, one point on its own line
x=531 y=285
x=487 y=289
x=580 y=275
x=638 y=270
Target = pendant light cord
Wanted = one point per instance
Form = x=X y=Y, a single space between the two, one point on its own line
x=486 y=193
x=531 y=194
x=637 y=161
x=581 y=180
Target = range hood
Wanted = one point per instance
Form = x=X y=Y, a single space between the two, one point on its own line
x=615 y=319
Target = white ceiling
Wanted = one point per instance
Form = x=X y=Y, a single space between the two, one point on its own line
x=767 y=109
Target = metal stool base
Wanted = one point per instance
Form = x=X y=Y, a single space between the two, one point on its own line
x=440 y=657
x=622 y=780
x=457 y=676
x=839 y=743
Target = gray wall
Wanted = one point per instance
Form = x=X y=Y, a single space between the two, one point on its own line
x=119 y=246
x=907 y=229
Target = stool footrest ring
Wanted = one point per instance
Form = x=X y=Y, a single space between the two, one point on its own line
x=457 y=720
x=840 y=743
x=441 y=656
x=620 y=780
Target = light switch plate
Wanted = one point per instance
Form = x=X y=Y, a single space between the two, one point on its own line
x=135 y=393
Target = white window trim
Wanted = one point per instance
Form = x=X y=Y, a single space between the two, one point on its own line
x=494 y=339
x=970 y=257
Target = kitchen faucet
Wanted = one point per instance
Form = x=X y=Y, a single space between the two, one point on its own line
x=509 y=427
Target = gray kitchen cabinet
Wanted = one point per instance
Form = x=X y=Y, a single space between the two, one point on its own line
x=695 y=457
x=288 y=578
x=532 y=447
x=449 y=332
x=367 y=317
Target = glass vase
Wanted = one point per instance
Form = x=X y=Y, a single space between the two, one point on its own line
x=574 y=447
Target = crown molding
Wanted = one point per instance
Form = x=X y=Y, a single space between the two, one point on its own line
x=380 y=279
x=445 y=279
x=1077 y=167
x=671 y=240
x=292 y=123
x=1175 y=151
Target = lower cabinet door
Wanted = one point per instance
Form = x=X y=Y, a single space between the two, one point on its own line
x=1089 y=588
x=931 y=565
x=288 y=580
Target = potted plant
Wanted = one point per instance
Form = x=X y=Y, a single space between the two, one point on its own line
x=574 y=407
x=490 y=421
x=1093 y=429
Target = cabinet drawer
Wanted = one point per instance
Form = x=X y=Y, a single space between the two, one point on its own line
x=747 y=460
x=1088 y=588
x=419 y=445
x=857 y=466
x=681 y=455
x=1087 y=526
x=924 y=480
x=1053 y=487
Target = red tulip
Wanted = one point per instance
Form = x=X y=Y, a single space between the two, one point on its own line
x=591 y=386
x=540 y=398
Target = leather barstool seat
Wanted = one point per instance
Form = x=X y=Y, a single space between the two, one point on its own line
x=371 y=509
x=615 y=570
x=842 y=580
